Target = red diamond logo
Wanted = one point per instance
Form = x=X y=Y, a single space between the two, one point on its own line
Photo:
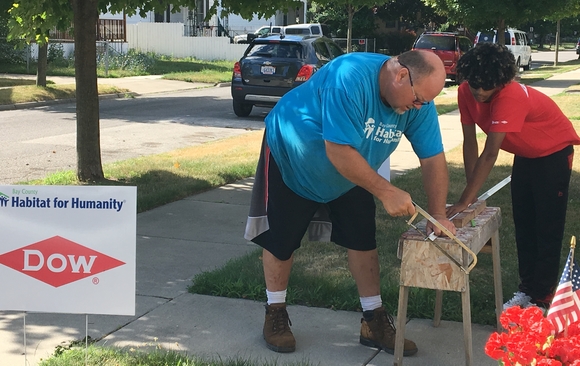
x=58 y=261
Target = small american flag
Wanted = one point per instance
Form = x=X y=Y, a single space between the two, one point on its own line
x=565 y=308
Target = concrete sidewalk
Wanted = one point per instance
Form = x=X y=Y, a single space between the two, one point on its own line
x=139 y=85
x=177 y=241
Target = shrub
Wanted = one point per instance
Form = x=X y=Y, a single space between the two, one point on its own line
x=55 y=55
x=10 y=52
x=132 y=60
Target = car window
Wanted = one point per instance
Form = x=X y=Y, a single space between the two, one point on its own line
x=280 y=50
x=485 y=37
x=322 y=52
x=315 y=30
x=439 y=43
x=464 y=44
x=335 y=51
x=297 y=31
x=508 y=39
x=261 y=49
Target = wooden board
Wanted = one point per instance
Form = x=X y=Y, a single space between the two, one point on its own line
x=465 y=217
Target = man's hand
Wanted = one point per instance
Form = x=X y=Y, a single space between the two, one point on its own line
x=398 y=202
x=431 y=228
x=456 y=208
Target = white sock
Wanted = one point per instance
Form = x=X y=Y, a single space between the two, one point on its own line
x=276 y=297
x=371 y=302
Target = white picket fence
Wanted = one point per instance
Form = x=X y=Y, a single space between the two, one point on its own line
x=167 y=39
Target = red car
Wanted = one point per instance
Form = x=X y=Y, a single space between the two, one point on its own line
x=448 y=46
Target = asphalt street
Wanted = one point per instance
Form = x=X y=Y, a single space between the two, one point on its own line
x=42 y=140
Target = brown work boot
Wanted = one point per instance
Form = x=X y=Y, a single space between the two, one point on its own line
x=377 y=330
x=277 y=333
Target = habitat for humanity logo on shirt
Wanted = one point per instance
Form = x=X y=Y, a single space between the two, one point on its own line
x=382 y=132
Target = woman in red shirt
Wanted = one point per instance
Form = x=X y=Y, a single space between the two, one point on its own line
x=523 y=121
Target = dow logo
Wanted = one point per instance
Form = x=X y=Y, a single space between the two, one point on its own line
x=58 y=261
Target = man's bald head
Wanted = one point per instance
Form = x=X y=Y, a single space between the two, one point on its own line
x=424 y=64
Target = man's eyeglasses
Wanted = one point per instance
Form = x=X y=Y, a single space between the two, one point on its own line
x=416 y=101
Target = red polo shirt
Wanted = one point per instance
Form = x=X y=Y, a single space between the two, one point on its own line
x=534 y=125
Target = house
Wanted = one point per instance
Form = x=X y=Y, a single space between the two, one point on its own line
x=119 y=32
x=230 y=25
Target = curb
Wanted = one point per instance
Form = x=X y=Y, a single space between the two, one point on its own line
x=27 y=105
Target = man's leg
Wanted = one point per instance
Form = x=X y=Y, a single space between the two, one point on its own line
x=277 y=333
x=288 y=217
x=276 y=271
x=364 y=266
x=377 y=326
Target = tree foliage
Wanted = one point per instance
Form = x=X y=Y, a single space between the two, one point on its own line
x=363 y=22
x=495 y=14
x=351 y=7
x=415 y=13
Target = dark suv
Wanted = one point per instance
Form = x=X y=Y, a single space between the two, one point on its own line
x=448 y=46
x=273 y=65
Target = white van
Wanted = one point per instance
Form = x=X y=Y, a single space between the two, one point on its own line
x=515 y=40
x=261 y=32
x=308 y=29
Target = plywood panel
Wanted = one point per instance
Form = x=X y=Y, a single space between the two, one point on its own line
x=424 y=265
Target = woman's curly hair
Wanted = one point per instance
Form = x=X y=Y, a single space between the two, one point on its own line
x=486 y=66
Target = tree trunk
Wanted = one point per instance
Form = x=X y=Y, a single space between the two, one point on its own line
x=557 y=42
x=89 y=166
x=501 y=32
x=349 y=28
x=42 y=65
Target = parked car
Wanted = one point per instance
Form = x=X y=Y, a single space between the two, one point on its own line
x=308 y=29
x=516 y=41
x=273 y=65
x=448 y=46
x=261 y=32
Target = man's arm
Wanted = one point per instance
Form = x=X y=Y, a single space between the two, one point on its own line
x=436 y=183
x=480 y=171
x=355 y=168
x=470 y=149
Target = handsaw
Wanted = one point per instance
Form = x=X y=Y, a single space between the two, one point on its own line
x=432 y=237
x=490 y=192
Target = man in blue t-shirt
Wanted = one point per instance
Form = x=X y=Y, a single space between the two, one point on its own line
x=323 y=144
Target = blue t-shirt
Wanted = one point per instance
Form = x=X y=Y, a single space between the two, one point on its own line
x=341 y=103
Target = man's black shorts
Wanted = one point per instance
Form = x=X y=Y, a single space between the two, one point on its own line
x=289 y=215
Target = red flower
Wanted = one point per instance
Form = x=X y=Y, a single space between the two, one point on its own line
x=494 y=347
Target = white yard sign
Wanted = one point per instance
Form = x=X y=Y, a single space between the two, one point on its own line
x=68 y=249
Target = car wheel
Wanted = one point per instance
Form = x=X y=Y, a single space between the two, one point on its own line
x=242 y=109
x=518 y=64
x=527 y=67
